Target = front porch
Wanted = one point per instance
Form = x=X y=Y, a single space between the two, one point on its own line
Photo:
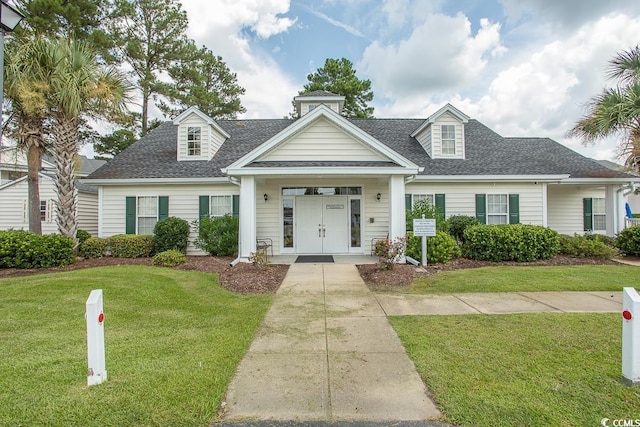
x=337 y=259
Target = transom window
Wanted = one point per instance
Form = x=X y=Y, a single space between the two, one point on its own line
x=599 y=217
x=321 y=191
x=194 y=141
x=417 y=197
x=497 y=209
x=221 y=206
x=448 y=139
x=147 y=214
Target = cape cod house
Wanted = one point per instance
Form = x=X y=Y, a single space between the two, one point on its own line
x=325 y=184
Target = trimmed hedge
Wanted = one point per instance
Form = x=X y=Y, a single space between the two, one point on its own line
x=22 y=249
x=628 y=241
x=510 y=242
x=171 y=233
x=441 y=248
x=459 y=223
x=586 y=246
x=169 y=258
x=218 y=236
x=94 y=247
x=130 y=245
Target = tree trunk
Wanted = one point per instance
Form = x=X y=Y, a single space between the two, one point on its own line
x=65 y=150
x=145 y=112
x=33 y=181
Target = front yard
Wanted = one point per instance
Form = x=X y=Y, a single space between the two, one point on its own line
x=173 y=342
x=528 y=369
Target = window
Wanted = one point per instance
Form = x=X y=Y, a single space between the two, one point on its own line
x=448 y=138
x=147 y=214
x=355 y=223
x=287 y=223
x=194 y=142
x=599 y=217
x=497 y=209
x=220 y=206
x=418 y=197
x=43 y=210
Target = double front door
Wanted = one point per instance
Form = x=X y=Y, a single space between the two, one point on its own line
x=322 y=224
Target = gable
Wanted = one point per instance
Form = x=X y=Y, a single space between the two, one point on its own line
x=209 y=135
x=323 y=141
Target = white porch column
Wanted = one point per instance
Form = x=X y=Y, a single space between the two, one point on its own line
x=544 y=205
x=247 y=217
x=397 y=214
x=611 y=209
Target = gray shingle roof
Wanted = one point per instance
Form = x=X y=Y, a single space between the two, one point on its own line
x=487 y=153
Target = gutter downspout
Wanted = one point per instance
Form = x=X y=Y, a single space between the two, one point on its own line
x=233 y=263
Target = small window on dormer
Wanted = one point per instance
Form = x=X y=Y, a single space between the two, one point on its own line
x=312 y=106
x=194 y=142
x=448 y=138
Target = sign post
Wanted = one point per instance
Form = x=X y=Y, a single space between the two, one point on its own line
x=97 y=372
x=425 y=227
x=631 y=336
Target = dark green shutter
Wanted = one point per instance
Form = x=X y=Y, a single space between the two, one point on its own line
x=407 y=202
x=587 y=210
x=514 y=208
x=481 y=208
x=235 y=205
x=440 y=204
x=204 y=207
x=163 y=207
x=130 y=215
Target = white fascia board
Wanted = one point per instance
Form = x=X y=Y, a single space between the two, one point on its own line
x=307 y=119
x=155 y=181
x=432 y=118
x=24 y=178
x=195 y=110
x=490 y=178
x=312 y=171
x=603 y=181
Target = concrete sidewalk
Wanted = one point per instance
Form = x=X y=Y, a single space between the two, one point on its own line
x=327 y=352
x=500 y=303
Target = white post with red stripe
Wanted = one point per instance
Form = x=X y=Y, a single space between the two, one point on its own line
x=631 y=336
x=94 y=315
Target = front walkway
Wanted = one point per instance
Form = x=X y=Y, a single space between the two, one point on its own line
x=327 y=352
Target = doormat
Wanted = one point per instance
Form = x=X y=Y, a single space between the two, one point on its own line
x=314 y=258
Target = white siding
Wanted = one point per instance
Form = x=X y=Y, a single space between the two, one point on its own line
x=424 y=138
x=460 y=198
x=323 y=141
x=88 y=212
x=305 y=107
x=565 y=213
x=447 y=119
x=205 y=131
x=183 y=203
x=14 y=209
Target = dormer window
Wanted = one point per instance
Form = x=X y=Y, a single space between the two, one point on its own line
x=448 y=135
x=194 y=141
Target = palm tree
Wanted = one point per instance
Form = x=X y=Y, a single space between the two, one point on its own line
x=616 y=111
x=26 y=87
x=80 y=88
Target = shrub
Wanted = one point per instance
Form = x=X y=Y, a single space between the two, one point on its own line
x=259 y=258
x=607 y=240
x=510 y=242
x=130 y=245
x=423 y=207
x=22 y=249
x=441 y=248
x=171 y=233
x=390 y=251
x=82 y=236
x=459 y=223
x=93 y=247
x=218 y=236
x=169 y=258
x=628 y=241
x=586 y=246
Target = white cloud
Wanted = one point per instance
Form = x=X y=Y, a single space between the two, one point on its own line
x=440 y=54
x=348 y=28
x=220 y=25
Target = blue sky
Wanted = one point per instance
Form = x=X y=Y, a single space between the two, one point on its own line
x=522 y=67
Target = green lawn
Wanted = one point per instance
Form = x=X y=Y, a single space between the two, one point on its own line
x=173 y=342
x=530 y=279
x=530 y=369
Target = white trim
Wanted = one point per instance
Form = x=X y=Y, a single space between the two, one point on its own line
x=313 y=171
x=195 y=110
x=322 y=111
x=100 y=208
x=490 y=178
x=601 y=181
x=545 y=220
x=432 y=118
x=153 y=181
